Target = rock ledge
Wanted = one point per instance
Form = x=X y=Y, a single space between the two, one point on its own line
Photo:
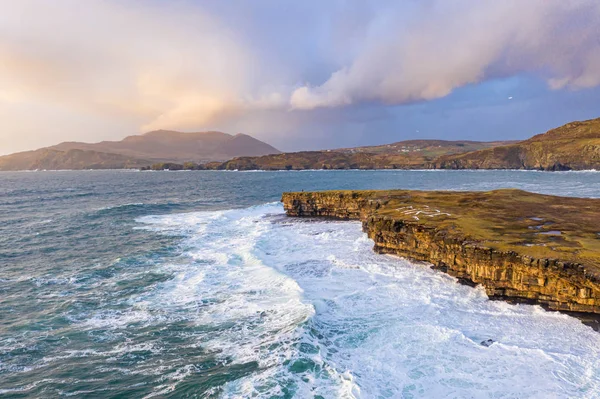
x=519 y=246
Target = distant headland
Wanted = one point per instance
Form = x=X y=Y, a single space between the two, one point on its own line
x=134 y=152
x=574 y=146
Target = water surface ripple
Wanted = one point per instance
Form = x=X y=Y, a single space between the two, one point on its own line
x=195 y=284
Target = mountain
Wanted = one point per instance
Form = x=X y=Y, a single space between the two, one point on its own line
x=575 y=145
x=167 y=145
x=138 y=151
x=411 y=154
x=50 y=159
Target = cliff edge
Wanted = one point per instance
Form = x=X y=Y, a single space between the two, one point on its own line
x=574 y=146
x=518 y=245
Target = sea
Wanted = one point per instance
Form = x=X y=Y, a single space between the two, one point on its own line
x=127 y=284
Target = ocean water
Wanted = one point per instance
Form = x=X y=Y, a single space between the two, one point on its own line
x=118 y=284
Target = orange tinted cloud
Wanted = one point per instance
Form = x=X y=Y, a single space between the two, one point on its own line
x=101 y=69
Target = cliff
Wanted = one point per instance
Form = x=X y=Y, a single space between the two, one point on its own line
x=518 y=245
x=411 y=154
x=575 y=145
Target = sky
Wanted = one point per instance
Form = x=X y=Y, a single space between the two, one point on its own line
x=308 y=74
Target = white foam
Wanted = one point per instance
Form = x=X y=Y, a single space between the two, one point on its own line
x=321 y=314
x=130 y=204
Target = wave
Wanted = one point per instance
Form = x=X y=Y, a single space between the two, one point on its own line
x=135 y=208
x=321 y=314
x=257 y=313
x=403 y=170
x=128 y=205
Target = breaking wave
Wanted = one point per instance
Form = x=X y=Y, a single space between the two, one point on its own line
x=320 y=315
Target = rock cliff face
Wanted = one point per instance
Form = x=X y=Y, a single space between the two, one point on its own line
x=429 y=227
x=575 y=145
x=412 y=154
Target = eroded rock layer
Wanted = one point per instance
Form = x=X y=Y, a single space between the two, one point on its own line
x=518 y=245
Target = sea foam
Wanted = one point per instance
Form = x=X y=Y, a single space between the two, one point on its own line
x=319 y=313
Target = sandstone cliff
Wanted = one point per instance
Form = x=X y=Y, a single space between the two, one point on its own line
x=518 y=245
x=575 y=145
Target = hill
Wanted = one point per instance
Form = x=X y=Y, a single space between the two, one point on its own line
x=575 y=145
x=50 y=159
x=167 y=145
x=411 y=154
x=138 y=151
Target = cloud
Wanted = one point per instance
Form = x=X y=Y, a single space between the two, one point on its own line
x=444 y=45
x=102 y=69
x=150 y=65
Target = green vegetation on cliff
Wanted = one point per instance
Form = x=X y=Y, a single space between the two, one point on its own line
x=516 y=244
x=574 y=146
x=412 y=154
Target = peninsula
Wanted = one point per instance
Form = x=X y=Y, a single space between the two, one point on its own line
x=574 y=146
x=518 y=245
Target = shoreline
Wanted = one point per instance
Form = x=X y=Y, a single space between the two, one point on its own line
x=520 y=246
x=307 y=170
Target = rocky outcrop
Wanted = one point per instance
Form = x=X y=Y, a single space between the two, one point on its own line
x=412 y=154
x=574 y=146
x=428 y=227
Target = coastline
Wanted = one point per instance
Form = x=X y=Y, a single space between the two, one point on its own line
x=307 y=170
x=504 y=246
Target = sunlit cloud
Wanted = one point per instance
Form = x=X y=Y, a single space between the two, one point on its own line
x=98 y=70
x=156 y=65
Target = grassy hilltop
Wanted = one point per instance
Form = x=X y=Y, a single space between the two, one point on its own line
x=411 y=154
x=575 y=145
